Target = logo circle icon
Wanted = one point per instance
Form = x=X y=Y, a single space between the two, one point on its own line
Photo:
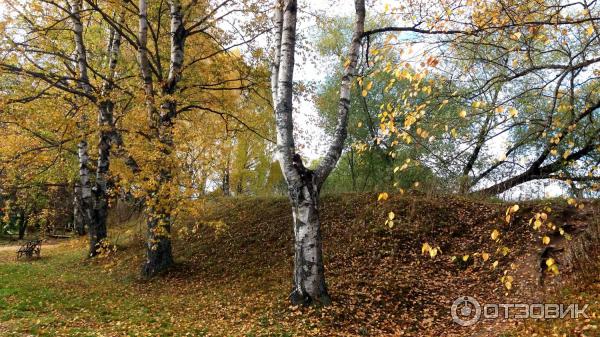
x=466 y=311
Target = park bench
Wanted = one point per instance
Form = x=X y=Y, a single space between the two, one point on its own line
x=29 y=248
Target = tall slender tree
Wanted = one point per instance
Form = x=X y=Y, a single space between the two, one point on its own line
x=304 y=185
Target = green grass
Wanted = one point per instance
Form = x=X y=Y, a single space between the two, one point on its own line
x=62 y=294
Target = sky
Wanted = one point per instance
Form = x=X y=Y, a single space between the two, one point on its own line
x=313 y=143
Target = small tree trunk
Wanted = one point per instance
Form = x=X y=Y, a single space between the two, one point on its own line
x=309 y=272
x=22 y=225
x=78 y=222
x=225 y=183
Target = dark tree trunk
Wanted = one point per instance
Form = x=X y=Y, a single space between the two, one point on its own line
x=108 y=136
x=159 y=255
x=226 y=180
x=225 y=183
x=536 y=171
x=22 y=225
x=78 y=221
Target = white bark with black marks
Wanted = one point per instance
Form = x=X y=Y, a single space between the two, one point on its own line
x=341 y=130
x=303 y=184
x=107 y=136
x=278 y=21
x=83 y=83
x=85 y=187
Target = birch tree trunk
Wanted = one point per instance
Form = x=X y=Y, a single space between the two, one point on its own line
x=85 y=185
x=309 y=271
x=108 y=136
x=85 y=188
x=159 y=256
x=309 y=286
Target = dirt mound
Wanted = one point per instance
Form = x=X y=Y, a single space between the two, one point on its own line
x=379 y=281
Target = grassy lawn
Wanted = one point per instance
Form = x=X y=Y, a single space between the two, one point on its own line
x=60 y=295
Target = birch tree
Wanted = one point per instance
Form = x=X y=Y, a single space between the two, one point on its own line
x=83 y=199
x=94 y=201
x=309 y=286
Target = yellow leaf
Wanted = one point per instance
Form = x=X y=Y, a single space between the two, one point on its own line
x=426 y=248
x=364 y=93
x=550 y=262
x=546 y=240
x=590 y=30
x=495 y=264
x=465 y=258
x=382 y=196
x=495 y=234
x=513 y=112
x=391 y=215
x=463 y=113
x=485 y=256
x=433 y=252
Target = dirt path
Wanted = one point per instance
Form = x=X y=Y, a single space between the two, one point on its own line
x=15 y=247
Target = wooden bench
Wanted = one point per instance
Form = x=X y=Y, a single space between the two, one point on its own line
x=30 y=248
